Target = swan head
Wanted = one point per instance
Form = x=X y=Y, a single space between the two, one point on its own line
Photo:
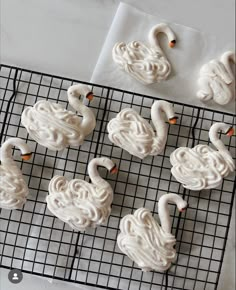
x=26 y=156
x=166 y=108
x=182 y=206
x=108 y=163
x=6 y=147
x=171 y=198
x=217 y=127
x=100 y=162
x=173 y=120
x=80 y=90
x=172 y=43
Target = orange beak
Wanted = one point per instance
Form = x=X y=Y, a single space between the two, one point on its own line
x=173 y=120
x=114 y=170
x=230 y=132
x=90 y=96
x=26 y=156
x=172 y=43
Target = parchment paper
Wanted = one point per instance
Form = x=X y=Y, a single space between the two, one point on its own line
x=193 y=49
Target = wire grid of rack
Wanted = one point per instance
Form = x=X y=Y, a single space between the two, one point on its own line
x=36 y=242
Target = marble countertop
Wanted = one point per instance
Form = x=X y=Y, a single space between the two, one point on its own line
x=65 y=37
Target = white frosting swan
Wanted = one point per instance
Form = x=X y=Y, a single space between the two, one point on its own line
x=13 y=189
x=146 y=63
x=202 y=167
x=54 y=127
x=141 y=238
x=217 y=80
x=81 y=204
x=135 y=135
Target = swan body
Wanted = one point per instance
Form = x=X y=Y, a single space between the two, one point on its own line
x=134 y=134
x=81 y=204
x=217 y=80
x=145 y=62
x=202 y=167
x=54 y=127
x=144 y=241
x=13 y=189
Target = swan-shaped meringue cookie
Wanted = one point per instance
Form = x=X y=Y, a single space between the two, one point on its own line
x=217 y=80
x=52 y=126
x=144 y=241
x=134 y=134
x=202 y=167
x=145 y=62
x=13 y=189
x=81 y=204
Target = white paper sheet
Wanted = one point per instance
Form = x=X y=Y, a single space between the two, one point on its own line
x=193 y=49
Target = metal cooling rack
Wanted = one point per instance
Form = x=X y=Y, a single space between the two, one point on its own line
x=36 y=242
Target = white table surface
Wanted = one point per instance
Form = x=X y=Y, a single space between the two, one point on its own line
x=65 y=37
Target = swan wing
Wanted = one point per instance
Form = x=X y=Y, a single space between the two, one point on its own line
x=77 y=203
x=193 y=170
x=52 y=126
x=13 y=189
x=143 y=241
x=132 y=133
x=220 y=160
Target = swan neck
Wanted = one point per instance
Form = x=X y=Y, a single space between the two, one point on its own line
x=88 y=119
x=163 y=209
x=157 y=29
x=7 y=146
x=94 y=175
x=214 y=136
x=226 y=59
x=158 y=117
x=164 y=215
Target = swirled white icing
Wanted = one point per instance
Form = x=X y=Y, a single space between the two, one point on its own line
x=201 y=167
x=217 y=81
x=13 y=189
x=145 y=242
x=52 y=126
x=134 y=134
x=78 y=203
x=145 y=62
